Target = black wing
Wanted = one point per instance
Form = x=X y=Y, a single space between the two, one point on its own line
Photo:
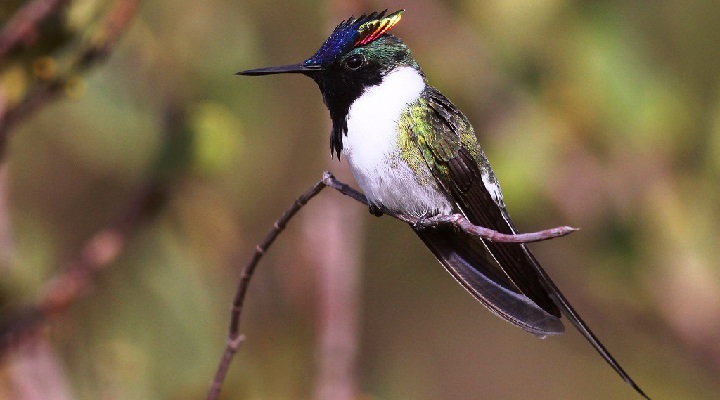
x=506 y=287
x=463 y=171
x=466 y=259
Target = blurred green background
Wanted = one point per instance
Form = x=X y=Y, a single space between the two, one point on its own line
x=604 y=115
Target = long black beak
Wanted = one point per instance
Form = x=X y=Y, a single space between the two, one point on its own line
x=283 y=69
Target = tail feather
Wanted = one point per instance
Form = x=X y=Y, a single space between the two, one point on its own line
x=466 y=259
x=567 y=309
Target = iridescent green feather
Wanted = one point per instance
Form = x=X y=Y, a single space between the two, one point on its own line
x=432 y=131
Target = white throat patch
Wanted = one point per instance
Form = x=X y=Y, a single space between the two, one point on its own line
x=373 y=117
x=372 y=150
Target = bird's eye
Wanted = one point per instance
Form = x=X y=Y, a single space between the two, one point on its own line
x=355 y=61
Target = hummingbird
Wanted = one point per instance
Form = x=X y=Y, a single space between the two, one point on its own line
x=413 y=153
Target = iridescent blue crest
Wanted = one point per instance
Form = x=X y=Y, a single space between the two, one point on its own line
x=351 y=33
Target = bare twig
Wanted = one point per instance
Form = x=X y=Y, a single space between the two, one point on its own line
x=234 y=338
x=328 y=180
x=459 y=221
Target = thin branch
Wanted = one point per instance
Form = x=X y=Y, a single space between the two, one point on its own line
x=457 y=220
x=460 y=222
x=328 y=180
x=115 y=23
x=234 y=338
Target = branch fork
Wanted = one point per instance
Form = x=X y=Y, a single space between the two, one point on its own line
x=458 y=221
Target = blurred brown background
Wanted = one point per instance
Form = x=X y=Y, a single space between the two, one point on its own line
x=600 y=115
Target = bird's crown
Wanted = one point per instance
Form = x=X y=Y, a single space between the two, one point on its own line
x=352 y=33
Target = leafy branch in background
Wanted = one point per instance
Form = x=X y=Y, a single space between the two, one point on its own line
x=27 y=27
x=455 y=221
x=52 y=81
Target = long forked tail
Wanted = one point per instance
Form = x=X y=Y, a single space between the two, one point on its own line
x=567 y=309
x=466 y=259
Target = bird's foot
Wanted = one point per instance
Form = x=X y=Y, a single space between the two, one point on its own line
x=433 y=222
x=375 y=210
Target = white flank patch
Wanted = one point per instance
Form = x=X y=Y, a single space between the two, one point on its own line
x=494 y=189
x=371 y=147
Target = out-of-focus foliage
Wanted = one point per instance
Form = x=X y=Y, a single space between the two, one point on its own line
x=601 y=115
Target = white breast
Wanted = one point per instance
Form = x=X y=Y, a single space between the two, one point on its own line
x=371 y=147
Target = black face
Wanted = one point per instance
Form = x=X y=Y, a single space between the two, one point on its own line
x=346 y=79
x=341 y=84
